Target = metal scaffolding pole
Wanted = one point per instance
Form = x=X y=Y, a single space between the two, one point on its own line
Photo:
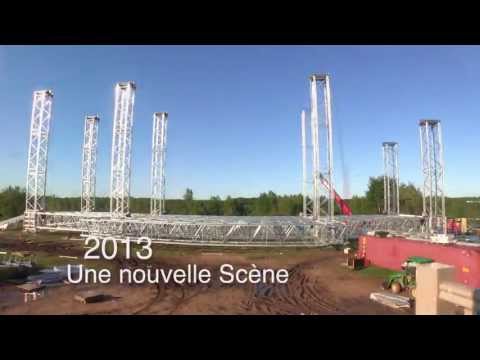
x=433 y=169
x=391 y=179
x=314 y=134
x=121 y=149
x=323 y=198
x=305 y=210
x=37 y=157
x=159 y=148
x=89 y=161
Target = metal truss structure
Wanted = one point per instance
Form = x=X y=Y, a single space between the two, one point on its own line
x=228 y=230
x=431 y=147
x=391 y=180
x=89 y=161
x=356 y=225
x=37 y=156
x=121 y=149
x=307 y=206
x=159 y=148
x=323 y=228
x=322 y=145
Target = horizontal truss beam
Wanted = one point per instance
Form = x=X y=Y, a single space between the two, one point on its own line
x=227 y=230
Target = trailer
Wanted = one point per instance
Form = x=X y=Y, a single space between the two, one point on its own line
x=391 y=251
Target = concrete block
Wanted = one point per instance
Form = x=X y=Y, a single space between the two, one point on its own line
x=428 y=279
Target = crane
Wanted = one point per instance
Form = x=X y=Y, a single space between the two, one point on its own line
x=342 y=204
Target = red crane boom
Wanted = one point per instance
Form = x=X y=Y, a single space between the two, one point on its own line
x=342 y=204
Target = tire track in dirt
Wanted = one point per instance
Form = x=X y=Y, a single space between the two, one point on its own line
x=150 y=303
x=133 y=263
x=203 y=289
x=302 y=292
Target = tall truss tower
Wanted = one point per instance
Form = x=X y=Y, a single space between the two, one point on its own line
x=89 y=161
x=323 y=197
x=306 y=208
x=307 y=202
x=391 y=180
x=159 y=148
x=37 y=157
x=122 y=149
x=431 y=147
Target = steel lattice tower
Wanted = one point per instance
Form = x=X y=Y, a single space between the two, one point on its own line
x=323 y=199
x=89 y=161
x=37 y=156
x=431 y=148
x=121 y=149
x=159 y=148
x=391 y=180
x=307 y=202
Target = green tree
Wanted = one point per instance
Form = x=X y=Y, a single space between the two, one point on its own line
x=215 y=206
x=12 y=202
x=374 y=195
x=199 y=207
x=188 y=196
x=266 y=204
x=290 y=205
x=263 y=206
x=190 y=207
x=229 y=207
x=410 y=199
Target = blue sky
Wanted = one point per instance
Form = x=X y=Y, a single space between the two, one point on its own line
x=234 y=125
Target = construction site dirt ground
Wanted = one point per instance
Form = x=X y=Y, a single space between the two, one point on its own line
x=318 y=283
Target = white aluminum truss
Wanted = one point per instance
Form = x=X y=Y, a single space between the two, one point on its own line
x=320 y=230
x=307 y=202
x=89 y=161
x=228 y=230
x=323 y=198
x=159 y=148
x=431 y=148
x=37 y=157
x=391 y=180
x=121 y=149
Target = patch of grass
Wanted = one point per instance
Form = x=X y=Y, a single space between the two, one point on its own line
x=376 y=272
x=44 y=261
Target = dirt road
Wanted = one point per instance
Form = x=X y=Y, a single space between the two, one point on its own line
x=318 y=284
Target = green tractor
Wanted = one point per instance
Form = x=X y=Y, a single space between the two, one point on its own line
x=405 y=280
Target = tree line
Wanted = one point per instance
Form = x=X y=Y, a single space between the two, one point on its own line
x=12 y=203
